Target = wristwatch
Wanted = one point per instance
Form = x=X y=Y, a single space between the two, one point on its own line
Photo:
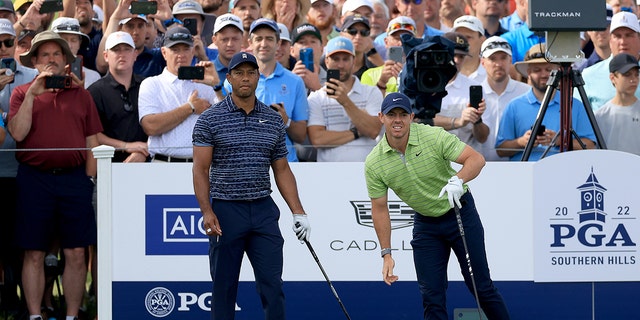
x=217 y=88
x=371 y=52
x=356 y=135
x=385 y=252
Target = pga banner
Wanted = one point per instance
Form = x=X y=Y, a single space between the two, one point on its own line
x=586 y=217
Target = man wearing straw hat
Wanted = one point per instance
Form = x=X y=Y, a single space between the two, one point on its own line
x=54 y=127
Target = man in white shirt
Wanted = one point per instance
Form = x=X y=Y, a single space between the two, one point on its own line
x=343 y=123
x=168 y=106
x=456 y=114
x=498 y=89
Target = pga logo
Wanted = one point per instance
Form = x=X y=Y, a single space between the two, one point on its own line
x=593 y=231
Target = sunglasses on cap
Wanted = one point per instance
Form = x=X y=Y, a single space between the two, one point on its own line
x=180 y=36
x=401 y=26
x=363 y=32
x=414 y=1
x=8 y=43
x=67 y=27
x=536 y=55
x=496 y=45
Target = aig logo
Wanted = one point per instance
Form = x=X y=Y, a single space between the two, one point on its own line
x=593 y=230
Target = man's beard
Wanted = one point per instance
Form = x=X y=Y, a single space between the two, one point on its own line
x=211 y=7
x=322 y=25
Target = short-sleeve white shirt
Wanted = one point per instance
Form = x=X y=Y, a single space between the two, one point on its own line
x=163 y=93
x=328 y=112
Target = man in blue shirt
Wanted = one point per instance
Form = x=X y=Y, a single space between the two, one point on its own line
x=242 y=132
x=278 y=87
x=515 y=125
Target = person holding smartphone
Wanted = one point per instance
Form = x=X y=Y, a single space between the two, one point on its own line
x=385 y=77
x=69 y=30
x=342 y=115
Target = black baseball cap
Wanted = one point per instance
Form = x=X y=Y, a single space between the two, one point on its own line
x=303 y=29
x=622 y=63
x=177 y=35
x=353 y=19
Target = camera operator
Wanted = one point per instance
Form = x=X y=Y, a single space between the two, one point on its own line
x=457 y=115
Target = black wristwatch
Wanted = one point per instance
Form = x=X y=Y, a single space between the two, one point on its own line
x=371 y=52
x=217 y=87
x=356 y=135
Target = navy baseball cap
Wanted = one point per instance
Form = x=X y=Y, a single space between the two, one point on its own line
x=242 y=57
x=264 y=22
x=396 y=100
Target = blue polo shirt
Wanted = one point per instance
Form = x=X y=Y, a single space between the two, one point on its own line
x=521 y=40
x=521 y=114
x=244 y=146
x=149 y=62
x=282 y=86
x=222 y=73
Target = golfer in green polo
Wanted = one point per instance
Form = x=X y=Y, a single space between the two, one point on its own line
x=414 y=160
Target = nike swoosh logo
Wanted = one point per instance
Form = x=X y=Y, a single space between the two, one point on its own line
x=419 y=153
x=262 y=121
x=396 y=99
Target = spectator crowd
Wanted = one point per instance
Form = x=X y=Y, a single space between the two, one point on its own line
x=325 y=67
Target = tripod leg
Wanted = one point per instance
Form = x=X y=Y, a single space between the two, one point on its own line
x=579 y=84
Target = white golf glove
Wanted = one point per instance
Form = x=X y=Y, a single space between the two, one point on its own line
x=301 y=227
x=454 y=191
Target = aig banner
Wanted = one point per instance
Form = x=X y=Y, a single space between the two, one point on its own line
x=586 y=218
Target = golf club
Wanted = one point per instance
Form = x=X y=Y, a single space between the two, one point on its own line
x=466 y=251
x=335 y=294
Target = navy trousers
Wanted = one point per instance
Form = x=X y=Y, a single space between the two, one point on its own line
x=251 y=227
x=433 y=240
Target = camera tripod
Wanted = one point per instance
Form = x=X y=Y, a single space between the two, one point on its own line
x=567 y=78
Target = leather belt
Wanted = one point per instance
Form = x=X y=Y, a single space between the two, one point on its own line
x=162 y=157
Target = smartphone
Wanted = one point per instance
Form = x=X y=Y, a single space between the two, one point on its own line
x=190 y=73
x=76 y=67
x=475 y=96
x=192 y=25
x=541 y=130
x=332 y=74
x=306 y=56
x=49 y=6
x=143 y=7
x=10 y=65
x=395 y=54
x=57 y=82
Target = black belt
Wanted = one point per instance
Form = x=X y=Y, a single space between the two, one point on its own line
x=162 y=157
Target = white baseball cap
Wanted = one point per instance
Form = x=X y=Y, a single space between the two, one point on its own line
x=6 y=27
x=470 y=22
x=227 y=19
x=117 y=38
x=284 y=32
x=140 y=16
x=352 y=5
x=68 y=25
x=626 y=20
x=493 y=45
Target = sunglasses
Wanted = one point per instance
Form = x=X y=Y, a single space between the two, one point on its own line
x=497 y=45
x=180 y=36
x=363 y=32
x=8 y=43
x=67 y=27
x=536 y=55
x=414 y=1
x=127 y=103
x=401 y=26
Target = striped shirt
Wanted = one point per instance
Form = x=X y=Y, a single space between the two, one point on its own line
x=417 y=176
x=244 y=146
